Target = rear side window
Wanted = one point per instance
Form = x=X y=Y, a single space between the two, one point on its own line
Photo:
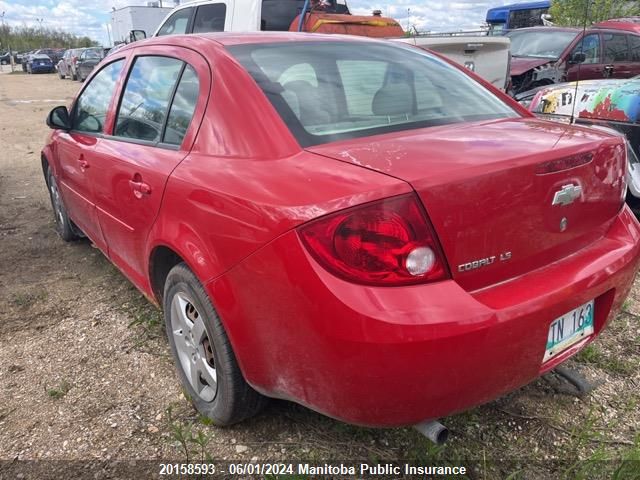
x=146 y=98
x=93 y=103
x=177 y=23
x=182 y=107
x=210 y=18
x=615 y=48
x=634 y=48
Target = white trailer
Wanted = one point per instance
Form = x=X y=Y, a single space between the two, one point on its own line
x=125 y=19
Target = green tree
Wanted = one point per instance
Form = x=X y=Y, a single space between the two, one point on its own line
x=572 y=13
x=24 y=38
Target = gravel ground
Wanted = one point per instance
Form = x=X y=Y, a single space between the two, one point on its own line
x=85 y=372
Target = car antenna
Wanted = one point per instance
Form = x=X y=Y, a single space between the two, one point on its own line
x=303 y=15
x=584 y=31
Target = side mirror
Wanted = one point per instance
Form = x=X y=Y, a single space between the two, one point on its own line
x=578 y=57
x=135 y=35
x=58 y=119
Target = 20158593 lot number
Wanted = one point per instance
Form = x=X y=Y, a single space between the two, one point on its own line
x=569 y=329
x=187 y=469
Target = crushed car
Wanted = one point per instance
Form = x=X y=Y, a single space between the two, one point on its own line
x=548 y=55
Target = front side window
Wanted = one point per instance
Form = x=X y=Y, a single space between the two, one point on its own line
x=590 y=46
x=210 y=18
x=615 y=48
x=93 y=103
x=146 y=98
x=177 y=23
x=328 y=91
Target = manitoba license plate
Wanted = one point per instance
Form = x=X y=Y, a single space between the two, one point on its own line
x=569 y=329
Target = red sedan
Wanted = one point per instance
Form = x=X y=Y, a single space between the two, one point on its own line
x=354 y=225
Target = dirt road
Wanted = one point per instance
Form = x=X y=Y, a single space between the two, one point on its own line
x=85 y=370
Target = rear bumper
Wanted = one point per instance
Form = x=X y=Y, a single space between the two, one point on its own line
x=41 y=68
x=397 y=356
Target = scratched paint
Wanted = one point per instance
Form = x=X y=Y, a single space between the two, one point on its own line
x=616 y=100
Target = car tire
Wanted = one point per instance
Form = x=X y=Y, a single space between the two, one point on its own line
x=61 y=76
x=64 y=226
x=204 y=359
x=74 y=77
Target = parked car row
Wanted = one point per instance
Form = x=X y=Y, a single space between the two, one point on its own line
x=77 y=63
x=352 y=224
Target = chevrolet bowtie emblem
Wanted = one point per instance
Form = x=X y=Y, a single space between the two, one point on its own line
x=567 y=194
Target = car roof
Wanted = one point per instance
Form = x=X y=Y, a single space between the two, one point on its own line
x=629 y=24
x=245 y=38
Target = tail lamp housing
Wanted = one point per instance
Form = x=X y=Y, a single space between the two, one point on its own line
x=388 y=242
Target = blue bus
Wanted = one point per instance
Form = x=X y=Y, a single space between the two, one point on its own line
x=517 y=15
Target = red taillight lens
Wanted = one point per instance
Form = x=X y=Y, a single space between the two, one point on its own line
x=388 y=242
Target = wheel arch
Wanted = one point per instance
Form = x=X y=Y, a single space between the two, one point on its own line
x=46 y=164
x=161 y=260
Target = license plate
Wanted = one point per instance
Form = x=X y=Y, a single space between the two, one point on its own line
x=570 y=328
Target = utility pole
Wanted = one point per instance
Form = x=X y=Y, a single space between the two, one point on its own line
x=109 y=34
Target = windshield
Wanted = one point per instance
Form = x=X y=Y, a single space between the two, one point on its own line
x=328 y=91
x=540 y=43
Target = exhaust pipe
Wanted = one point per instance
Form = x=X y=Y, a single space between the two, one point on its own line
x=433 y=430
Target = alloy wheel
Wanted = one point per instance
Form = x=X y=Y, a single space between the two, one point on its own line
x=194 y=349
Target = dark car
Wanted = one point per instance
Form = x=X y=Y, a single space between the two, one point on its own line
x=55 y=54
x=547 y=55
x=39 y=63
x=5 y=58
x=87 y=60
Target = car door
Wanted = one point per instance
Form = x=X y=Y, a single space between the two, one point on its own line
x=593 y=67
x=616 y=55
x=76 y=149
x=153 y=131
x=80 y=66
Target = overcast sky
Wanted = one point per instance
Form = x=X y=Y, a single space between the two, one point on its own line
x=89 y=17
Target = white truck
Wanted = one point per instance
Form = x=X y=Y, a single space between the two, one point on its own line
x=486 y=56
x=127 y=19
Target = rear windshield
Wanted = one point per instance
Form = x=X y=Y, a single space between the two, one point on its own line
x=329 y=91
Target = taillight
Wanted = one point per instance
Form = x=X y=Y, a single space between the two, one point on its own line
x=387 y=242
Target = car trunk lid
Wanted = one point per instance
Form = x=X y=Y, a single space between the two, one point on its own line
x=505 y=197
